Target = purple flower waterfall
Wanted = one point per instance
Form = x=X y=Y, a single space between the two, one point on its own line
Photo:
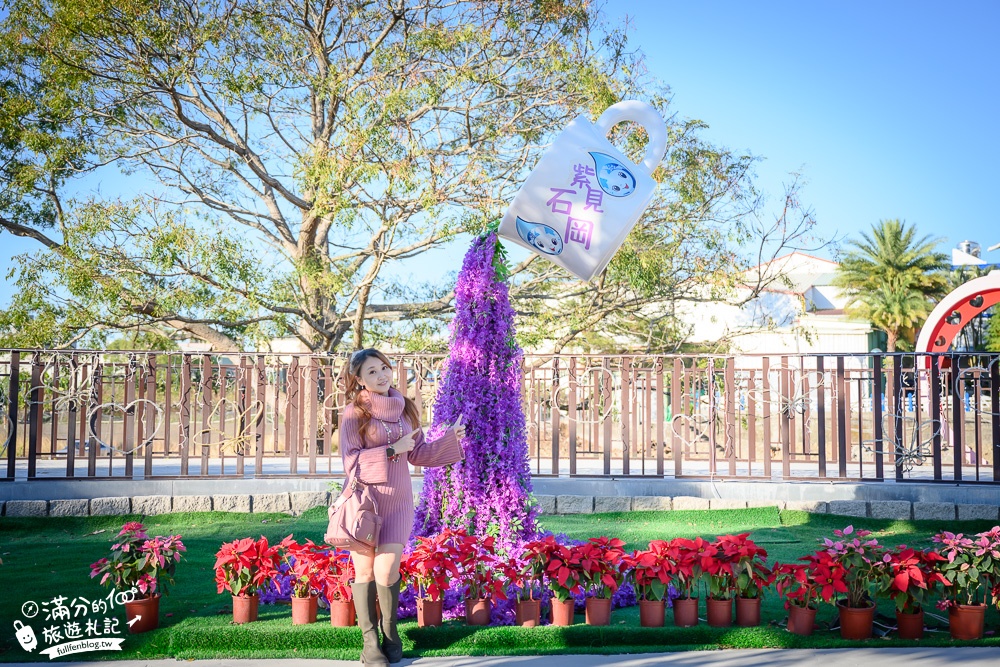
x=489 y=492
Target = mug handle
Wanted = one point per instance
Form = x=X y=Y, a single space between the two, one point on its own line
x=645 y=115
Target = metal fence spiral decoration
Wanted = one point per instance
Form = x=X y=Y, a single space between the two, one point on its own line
x=916 y=450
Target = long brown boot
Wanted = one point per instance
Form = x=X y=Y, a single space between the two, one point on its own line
x=366 y=604
x=388 y=601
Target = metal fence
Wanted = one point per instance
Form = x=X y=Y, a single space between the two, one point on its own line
x=144 y=415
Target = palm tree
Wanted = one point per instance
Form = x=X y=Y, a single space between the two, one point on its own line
x=891 y=278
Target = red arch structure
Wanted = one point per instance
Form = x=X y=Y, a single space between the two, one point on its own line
x=956 y=310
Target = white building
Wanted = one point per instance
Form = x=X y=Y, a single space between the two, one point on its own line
x=798 y=312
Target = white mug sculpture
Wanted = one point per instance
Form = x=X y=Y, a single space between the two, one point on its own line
x=584 y=196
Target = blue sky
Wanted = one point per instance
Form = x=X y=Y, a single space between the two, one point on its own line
x=888 y=108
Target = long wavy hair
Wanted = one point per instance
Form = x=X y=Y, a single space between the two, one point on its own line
x=357 y=395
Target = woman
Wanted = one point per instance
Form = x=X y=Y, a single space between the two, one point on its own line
x=379 y=433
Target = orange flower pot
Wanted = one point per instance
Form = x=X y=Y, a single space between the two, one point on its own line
x=598 y=611
x=965 y=621
x=429 y=613
x=245 y=608
x=563 y=611
x=720 y=612
x=148 y=612
x=801 y=620
x=686 y=612
x=910 y=626
x=856 y=622
x=304 y=610
x=477 y=612
x=527 y=613
x=652 y=613
x=342 y=614
x=747 y=612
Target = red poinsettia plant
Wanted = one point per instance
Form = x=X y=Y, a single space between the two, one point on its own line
x=431 y=564
x=689 y=560
x=806 y=584
x=650 y=570
x=599 y=561
x=562 y=568
x=481 y=570
x=139 y=562
x=857 y=561
x=244 y=566
x=527 y=570
x=748 y=564
x=717 y=569
x=912 y=577
x=305 y=565
x=336 y=574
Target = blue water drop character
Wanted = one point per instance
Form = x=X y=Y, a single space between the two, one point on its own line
x=614 y=177
x=540 y=237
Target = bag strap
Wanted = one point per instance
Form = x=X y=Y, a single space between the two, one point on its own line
x=352 y=481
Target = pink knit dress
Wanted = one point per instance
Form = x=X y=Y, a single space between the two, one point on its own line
x=365 y=456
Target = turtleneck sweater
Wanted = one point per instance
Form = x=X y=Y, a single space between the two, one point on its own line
x=365 y=457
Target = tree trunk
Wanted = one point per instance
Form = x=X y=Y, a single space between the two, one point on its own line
x=893 y=336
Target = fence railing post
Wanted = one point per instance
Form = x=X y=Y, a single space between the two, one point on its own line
x=878 y=435
x=842 y=419
x=13 y=413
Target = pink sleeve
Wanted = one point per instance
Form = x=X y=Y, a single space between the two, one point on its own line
x=369 y=465
x=442 y=452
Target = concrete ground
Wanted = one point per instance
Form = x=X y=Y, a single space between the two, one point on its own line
x=886 y=657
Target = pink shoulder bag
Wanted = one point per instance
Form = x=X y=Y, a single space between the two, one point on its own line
x=355 y=525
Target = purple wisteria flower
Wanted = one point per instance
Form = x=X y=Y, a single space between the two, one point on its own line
x=488 y=493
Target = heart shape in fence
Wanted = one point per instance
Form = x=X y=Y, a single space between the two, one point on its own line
x=690 y=424
x=613 y=406
x=125 y=409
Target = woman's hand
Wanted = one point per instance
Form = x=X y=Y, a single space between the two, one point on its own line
x=405 y=444
x=459 y=428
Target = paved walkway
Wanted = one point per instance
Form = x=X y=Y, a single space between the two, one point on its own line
x=885 y=657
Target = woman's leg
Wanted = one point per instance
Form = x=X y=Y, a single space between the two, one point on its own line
x=366 y=604
x=387 y=585
x=387 y=564
x=364 y=567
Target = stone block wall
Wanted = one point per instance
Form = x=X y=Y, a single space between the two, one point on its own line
x=296 y=502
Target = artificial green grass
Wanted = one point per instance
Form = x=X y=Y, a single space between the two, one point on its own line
x=46 y=557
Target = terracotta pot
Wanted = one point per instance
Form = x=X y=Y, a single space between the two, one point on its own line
x=652 y=613
x=477 y=612
x=563 y=611
x=148 y=612
x=720 y=612
x=429 y=613
x=801 y=620
x=342 y=614
x=856 y=622
x=245 y=608
x=910 y=626
x=304 y=610
x=965 y=621
x=598 y=611
x=527 y=613
x=686 y=612
x=747 y=612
